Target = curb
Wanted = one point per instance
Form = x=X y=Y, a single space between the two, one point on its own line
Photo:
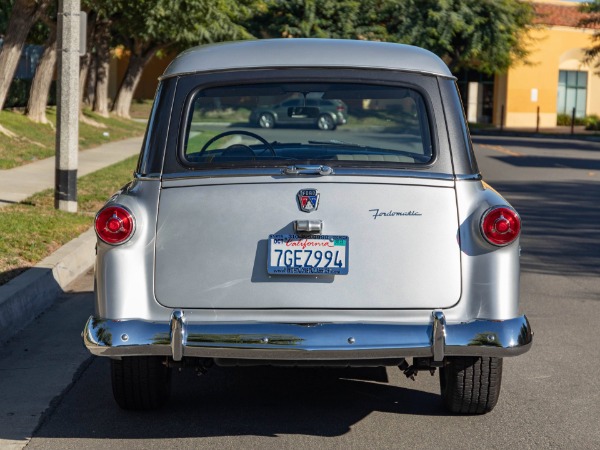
x=25 y=297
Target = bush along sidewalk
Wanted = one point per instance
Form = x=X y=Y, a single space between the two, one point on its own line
x=33 y=229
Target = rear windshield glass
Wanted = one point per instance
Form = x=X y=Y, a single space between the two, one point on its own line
x=337 y=124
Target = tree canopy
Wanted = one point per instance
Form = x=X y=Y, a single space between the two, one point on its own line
x=485 y=35
x=592 y=20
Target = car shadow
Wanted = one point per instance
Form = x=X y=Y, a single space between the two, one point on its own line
x=248 y=401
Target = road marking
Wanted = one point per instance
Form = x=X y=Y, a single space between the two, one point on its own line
x=499 y=148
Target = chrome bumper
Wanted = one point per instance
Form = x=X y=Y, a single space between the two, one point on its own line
x=321 y=341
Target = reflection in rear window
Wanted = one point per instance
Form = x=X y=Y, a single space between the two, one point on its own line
x=279 y=124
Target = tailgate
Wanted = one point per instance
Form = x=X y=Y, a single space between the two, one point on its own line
x=403 y=249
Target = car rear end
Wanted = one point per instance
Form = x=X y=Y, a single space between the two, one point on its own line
x=369 y=245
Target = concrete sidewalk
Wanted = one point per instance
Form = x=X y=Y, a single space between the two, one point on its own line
x=25 y=297
x=22 y=182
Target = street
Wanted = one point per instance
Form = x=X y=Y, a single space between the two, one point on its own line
x=550 y=396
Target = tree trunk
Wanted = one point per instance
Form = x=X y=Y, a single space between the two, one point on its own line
x=86 y=60
x=102 y=69
x=90 y=84
x=23 y=16
x=137 y=62
x=40 y=86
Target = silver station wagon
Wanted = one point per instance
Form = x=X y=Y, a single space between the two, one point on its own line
x=374 y=244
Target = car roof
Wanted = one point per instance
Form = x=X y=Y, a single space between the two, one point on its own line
x=278 y=53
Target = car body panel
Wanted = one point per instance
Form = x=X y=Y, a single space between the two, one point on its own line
x=211 y=246
x=196 y=267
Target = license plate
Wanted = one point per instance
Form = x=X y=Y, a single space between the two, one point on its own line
x=290 y=254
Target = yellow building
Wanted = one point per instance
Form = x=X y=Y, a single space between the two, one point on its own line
x=555 y=81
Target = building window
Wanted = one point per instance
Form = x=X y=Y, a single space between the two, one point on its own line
x=572 y=92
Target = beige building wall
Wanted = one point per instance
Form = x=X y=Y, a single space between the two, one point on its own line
x=529 y=86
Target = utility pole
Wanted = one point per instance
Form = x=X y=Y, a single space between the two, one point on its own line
x=67 y=117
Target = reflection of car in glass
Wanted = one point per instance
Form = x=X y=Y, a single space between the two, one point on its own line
x=325 y=114
x=237 y=246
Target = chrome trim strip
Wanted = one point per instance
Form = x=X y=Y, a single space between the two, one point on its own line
x=468 y=177
x=149 y=176
x=277 y=172
x=322 y=341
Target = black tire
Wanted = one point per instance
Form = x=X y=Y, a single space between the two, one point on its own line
x=325 y=122
x=266 y=120
x=471 y=385
x=140 y=382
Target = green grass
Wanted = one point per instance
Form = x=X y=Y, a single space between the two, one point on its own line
x=36 y=141
x=197 y=141
x=221 y=115
x=33 y=229
x=140 y=109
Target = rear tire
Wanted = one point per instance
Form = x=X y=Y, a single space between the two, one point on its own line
x=140 y=382
x=471 y=385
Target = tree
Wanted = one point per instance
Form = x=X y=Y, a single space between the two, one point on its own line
x=146 y=27
x=42 y=80
x=591 y=10
x=485 y=35
x=347 y=19
x=24 y=14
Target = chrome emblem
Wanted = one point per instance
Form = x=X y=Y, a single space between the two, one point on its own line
x=308 y=200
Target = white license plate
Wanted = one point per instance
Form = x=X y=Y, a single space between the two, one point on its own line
x=290 y=254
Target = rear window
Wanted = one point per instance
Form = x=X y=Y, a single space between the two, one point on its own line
x=335 y=124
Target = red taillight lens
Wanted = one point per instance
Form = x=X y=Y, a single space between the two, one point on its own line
x=114 y=224
x=500 y=225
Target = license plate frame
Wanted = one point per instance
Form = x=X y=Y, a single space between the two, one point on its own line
x=293 y=248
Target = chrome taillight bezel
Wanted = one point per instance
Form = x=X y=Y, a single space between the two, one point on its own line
x=494 y=209
x=130 y=217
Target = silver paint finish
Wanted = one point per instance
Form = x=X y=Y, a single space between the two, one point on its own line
x=325 y=341
x=206 y=258
x=233 y=309
x=490 y=276
x=279 y=53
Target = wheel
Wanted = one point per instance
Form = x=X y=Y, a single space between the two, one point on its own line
x=325 y=122
x=266 y=120
x=140 y=382
x=471 y=385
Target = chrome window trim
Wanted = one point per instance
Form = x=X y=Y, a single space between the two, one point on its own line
x=276 y=172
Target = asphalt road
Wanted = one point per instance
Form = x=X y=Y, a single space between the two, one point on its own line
x=550 y=396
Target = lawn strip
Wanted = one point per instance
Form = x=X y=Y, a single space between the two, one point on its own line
x=37 y=141
x=33 y=229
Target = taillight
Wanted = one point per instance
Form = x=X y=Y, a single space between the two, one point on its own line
x=114 y=224
x=500 y=225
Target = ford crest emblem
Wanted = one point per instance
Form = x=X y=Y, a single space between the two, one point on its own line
x=308 y=200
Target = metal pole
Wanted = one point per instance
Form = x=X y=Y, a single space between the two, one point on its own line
x=573 y=122
x=502 y=118
x=537 y=121
x=67 y=115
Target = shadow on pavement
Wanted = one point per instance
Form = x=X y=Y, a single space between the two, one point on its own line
x=551 y=162
x=560 y=225
x=548 y=143
x=254 y=401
